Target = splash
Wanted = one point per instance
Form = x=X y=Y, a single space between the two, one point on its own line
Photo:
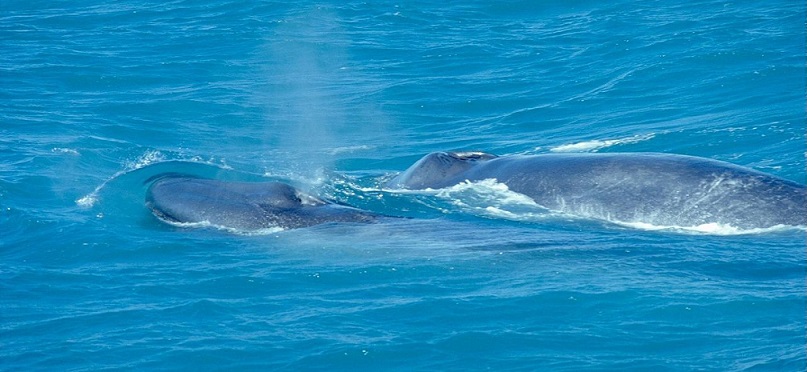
x=150 y=157
x=87 y=201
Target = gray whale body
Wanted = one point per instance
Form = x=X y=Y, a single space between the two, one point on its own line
x=243 y=205
x=653 y=188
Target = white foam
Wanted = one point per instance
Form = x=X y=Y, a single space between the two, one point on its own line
x=150 y=157
x=594 y=145
x=207 y=224
x=62 y=150
x=709 y=228
x=493 y=199
x=88 y=200
x=489 y=189
x=497 y=212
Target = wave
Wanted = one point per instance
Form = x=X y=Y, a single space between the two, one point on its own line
x=150 y=157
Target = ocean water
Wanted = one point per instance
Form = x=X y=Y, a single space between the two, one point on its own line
x=336 y=97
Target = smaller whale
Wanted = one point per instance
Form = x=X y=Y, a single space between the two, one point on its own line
x=243 y=206
x=652 y=188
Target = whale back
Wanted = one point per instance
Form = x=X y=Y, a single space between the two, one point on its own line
x=657 y=189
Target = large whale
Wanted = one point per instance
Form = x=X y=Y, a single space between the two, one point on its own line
x=242 y=205
x=652 y=188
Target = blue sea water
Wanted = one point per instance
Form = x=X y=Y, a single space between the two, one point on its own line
x=335 y=97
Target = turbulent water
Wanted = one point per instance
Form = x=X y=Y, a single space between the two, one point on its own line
x=336 y=98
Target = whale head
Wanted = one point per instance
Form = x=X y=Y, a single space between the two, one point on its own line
x=438 y=170
x=243 y=205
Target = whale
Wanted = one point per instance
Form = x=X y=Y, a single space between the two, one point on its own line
x=650 y=188
x=243 y=206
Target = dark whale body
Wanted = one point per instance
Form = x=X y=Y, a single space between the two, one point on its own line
x=658 y=189
x=243 y=205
